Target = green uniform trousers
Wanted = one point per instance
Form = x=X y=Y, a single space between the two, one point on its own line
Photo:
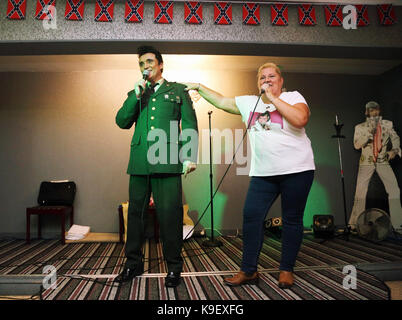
x=167 y=193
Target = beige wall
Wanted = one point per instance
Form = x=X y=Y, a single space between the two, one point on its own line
x=61 y=126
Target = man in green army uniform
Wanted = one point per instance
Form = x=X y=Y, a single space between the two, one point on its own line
x=164 y=145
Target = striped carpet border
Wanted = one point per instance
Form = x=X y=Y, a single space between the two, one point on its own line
x=327 y=286
x=85 y=270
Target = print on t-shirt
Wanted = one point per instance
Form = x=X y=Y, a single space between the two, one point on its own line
x=265 y=121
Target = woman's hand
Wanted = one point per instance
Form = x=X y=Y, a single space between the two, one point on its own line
x=213 y=97
x=268 y=92
x=192 y=89
x=191 y=86
x=297 y=115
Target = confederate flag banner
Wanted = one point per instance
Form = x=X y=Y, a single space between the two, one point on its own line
x=279 y=14
x=163 y=12
x=251 y=13
x=307 y=15
x=362 y=15
x=16 y=9
x=222 y=13
x=104 y=10
x=386 y=14
x=134 y=11
x=333 y=15
x=43 y=11
x=193 y=12
x=74 y=10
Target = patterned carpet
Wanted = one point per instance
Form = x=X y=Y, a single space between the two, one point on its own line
x=85 y=271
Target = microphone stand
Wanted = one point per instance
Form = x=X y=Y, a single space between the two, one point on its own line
x=338 y=136
x=212 y=242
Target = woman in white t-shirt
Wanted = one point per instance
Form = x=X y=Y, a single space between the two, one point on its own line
x=282 y=163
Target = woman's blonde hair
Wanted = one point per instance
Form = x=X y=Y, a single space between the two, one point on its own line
x=268 y=65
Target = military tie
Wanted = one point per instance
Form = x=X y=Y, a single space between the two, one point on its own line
x=152 y=88
x=149 y=91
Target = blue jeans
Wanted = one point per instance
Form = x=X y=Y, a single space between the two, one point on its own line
x=263 y=191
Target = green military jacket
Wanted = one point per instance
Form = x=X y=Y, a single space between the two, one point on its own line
x=157 y=145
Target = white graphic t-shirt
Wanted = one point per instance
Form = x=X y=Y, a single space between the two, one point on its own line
x=277 y=147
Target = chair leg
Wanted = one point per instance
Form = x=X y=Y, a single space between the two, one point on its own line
x=39 y=227
x=72 y=217
x=63 y=228
x=28 y=231
x=121 y=224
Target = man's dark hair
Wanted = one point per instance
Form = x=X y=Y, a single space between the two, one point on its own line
x=148 y=49
x=266 y=113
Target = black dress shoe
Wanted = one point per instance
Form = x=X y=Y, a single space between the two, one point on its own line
x=129 y=273
x=172 y=280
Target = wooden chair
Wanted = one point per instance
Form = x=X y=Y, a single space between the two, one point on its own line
x=56 y=199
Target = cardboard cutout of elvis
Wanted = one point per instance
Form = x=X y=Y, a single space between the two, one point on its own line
x=379 y=143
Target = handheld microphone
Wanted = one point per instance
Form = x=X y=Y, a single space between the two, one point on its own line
x=263 y=90
x=145 y=74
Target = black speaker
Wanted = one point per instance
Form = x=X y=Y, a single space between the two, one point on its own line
x=273 y=227
x=323 y=226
